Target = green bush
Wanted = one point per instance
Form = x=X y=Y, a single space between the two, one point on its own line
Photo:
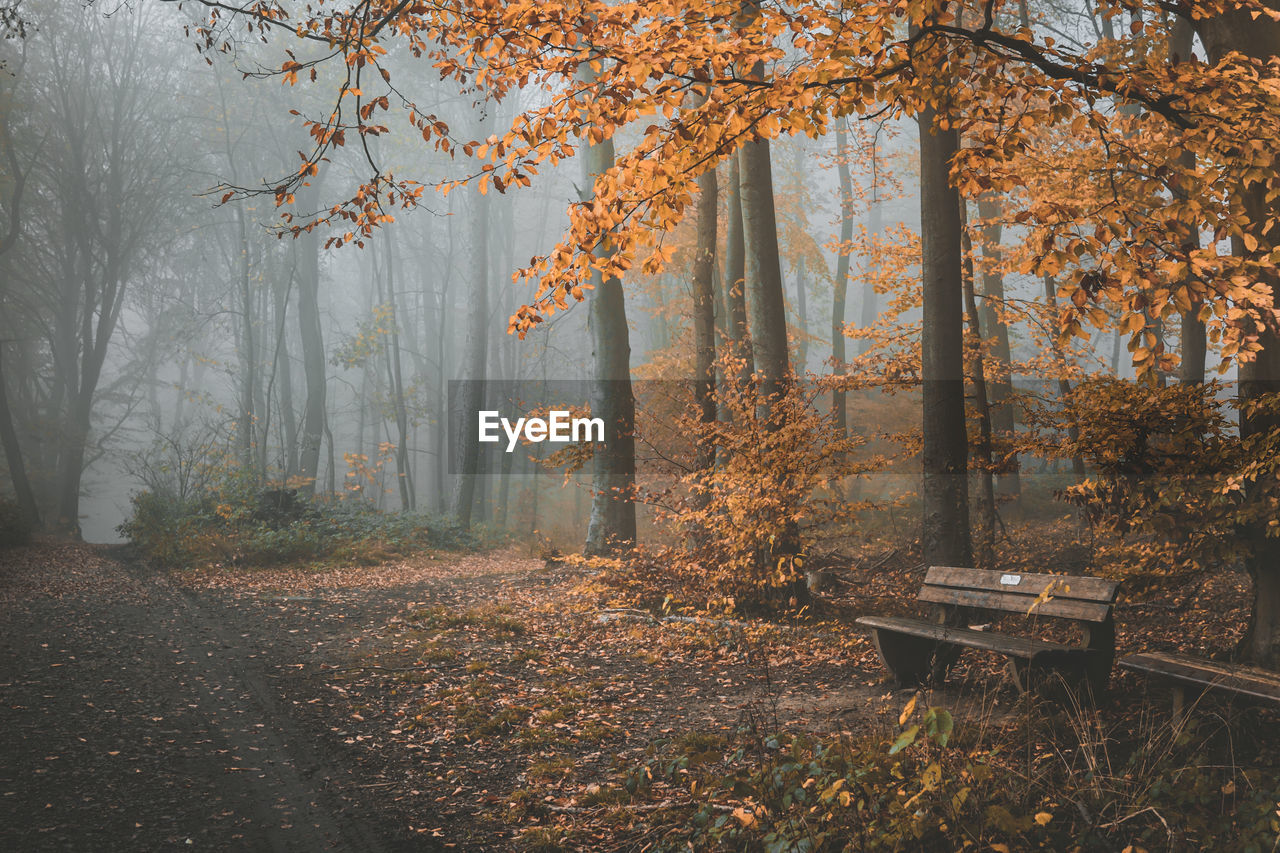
x=243 y=525
x=15 y=527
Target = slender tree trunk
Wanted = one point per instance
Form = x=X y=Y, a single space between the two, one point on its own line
x=875 y=223
x=945 y=537
x=735 y=274
x=404 y=476
x=802 y=314
x=1064 y=384
x=986 y=504
x=992 y=314
x=288 y=416
x=839 y=403
x=314 y=413
x=248 y=348
x=704 y=316
x=475 y=358
x=766 y=304
x=612 y=524
x=1194 y=336
x=440 y=334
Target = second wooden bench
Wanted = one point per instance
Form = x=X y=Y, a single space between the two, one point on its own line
x=1191 y=676
x=923 y=650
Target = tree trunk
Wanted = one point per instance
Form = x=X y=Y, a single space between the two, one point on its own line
x=765 y=303
x=802 y=316
x=1194 y=337
x=404 y=476
x=248 y=348
x=13 y=456
x=839 y=404
x=984 y=552
x=313 y=356
x=1064 y=385
x=991 y=314
x=704 y=316
x=475 y=361
x=874 y=223
x=735 y=274
x=288 y=415
x=612 y=524
x=1259 y=39
x=945 y=492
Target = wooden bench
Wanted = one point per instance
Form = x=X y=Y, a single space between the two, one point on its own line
x=918 y=650
x=1192 y=675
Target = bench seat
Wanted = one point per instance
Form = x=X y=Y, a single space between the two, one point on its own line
x=1203 y=674
x=1024 y=648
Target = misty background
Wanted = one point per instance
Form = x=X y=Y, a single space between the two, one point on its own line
x=145 y=325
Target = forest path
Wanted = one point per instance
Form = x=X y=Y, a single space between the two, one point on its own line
x=410 y=705
x=138 y=715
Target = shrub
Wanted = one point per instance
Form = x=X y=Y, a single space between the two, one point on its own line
x=1169 y=473
x=746 y=527
x=240 y=524
x=1055 y=783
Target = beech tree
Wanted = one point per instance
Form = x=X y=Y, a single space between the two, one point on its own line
x=612 y=524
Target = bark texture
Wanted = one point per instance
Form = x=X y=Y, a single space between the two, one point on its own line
x=945 y=492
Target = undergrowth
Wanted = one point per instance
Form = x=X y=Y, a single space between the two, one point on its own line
x=1053 y=780
x=244 y=526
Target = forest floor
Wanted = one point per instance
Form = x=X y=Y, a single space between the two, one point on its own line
x=471 y=702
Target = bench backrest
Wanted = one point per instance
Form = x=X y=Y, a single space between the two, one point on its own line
x=1086 y=599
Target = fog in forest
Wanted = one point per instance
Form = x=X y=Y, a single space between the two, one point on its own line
x=162 y=326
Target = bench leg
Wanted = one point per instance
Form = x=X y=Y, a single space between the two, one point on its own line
x=1184 y=698
x=908 y=658
x=1052 y=675
x=1020 y=672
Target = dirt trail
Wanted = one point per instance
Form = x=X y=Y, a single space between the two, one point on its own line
x=140 y=716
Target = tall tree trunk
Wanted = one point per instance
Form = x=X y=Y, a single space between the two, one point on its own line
x=314 y=413
x=612 y=524
x=404 y=476
x=704 y=316
x=475 y=361
x=802 y=316
x=1194 y=336
x=1064 y=384
x=735 y=285
x=766 y=304
x=839 y=403
x=994 y=327
x=288 y=415
x=248 y=348
x=986 y=504
x=1257 y=38
x=945 y=535
x=874 y=224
